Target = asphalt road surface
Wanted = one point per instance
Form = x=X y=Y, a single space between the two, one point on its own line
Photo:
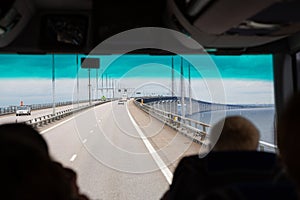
x=109 y=154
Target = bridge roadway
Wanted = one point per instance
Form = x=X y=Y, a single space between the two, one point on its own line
x=105 y=148
x=12 y=118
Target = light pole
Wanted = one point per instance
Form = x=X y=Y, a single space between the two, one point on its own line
x=190 y=92
x=96 y=84
x=106 y=85
x=53 y=85
x=77 y=80
x=182 y=89
x=89 y=63
x=173 y=81
x=89 y=85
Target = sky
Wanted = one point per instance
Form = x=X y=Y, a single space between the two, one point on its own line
x=244 y=79
x=40 y=66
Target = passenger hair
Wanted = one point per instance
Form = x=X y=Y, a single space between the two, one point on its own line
x=288 y=136
x=23 y=134
x=237 y=134
x=28 y=170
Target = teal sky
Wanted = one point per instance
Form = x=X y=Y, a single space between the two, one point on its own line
x=133 y=66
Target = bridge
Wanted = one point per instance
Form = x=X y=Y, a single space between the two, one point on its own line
x=120 y=151
x=193 y=105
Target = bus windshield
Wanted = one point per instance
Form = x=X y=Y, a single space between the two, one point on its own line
x=131 y=151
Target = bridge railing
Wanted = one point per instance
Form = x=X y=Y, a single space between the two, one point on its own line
x=192 y=128
x=46 y=119
x=12 y=109
x=265 y=146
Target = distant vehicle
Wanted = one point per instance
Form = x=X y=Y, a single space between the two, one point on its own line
x=123 y=100
x=23 y=110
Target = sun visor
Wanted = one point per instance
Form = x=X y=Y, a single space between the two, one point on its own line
x=14 y=16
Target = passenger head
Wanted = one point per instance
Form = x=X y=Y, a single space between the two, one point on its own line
x=237 y=134
x=29 y=174
x=288 y=133
x=24 y=135
x=27 y=170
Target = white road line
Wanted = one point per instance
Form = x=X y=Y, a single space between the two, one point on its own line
x=162 y=166
x=57 y=125
x=61 y=123
x=73 y=158
x=84 y=141
x=91 y=131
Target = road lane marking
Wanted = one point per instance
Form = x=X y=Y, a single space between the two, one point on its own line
x=61 y=123
x=57 y=125
x=73 y=157
x=162 y=166
x=91 y=131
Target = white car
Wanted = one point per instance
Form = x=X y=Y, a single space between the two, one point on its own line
x=123 y=100
x=23 y=110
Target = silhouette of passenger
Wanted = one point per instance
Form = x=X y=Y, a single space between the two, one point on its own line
x=233 y=159
x=237 y=134
x=24 y=135
x=28 y=172
x=71 y=178
x=288 y=138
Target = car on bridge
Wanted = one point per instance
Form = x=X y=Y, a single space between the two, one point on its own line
x=123 y=100
x=23 y=110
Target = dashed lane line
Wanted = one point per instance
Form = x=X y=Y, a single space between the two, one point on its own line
x=73 y=157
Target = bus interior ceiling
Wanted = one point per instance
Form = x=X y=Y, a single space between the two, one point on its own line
x=229 y=26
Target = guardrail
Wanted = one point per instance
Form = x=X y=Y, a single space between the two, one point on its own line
x=46 y=119
x=191 y=128
x=263 y=146
x=12 y=109
x=8 y=110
